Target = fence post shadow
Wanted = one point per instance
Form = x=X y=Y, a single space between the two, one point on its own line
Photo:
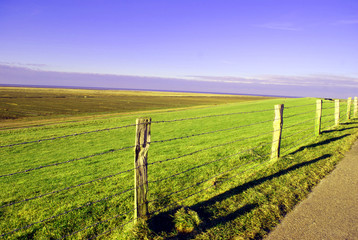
x=164 y=221
x=327 y=141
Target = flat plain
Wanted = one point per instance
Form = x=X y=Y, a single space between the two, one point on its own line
x=32 y=106
x=213 y=160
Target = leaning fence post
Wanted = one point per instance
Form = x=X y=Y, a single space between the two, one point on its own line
x=277 y=131
x=142 y=142
x=337 y=113
x=349 y=106
x=355 y=107
x=318 y=117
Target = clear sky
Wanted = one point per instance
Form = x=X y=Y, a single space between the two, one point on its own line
x=208 y=40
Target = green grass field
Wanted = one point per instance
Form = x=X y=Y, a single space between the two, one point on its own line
x=222 y=172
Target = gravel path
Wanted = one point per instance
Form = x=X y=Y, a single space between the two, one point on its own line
x=331 y=209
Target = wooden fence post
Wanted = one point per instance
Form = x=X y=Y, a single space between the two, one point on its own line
x=142 y=142
x=349 y=106
x=337 y=113
x=277 y=132
x=355 y=107
x=318 y=117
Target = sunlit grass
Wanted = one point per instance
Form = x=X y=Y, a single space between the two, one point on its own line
x=246 y=200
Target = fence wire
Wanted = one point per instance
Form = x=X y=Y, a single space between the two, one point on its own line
x=308 y=136
x=208 y=148
x=112 y=229
x=296 y=144
x=328 y=108
x=207 y=163
x=296 y=133
x=215 y=131
x=298 y=114
x=202 y=190
x=68 y=188
x=72 y=160
x=66 y=136
x=97 y=223
x=304 y=105
x=209 y=116
x=66 y=212
x=296 y=124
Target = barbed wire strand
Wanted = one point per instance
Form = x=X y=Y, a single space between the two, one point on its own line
x=207 y=163
x=324 y=122
x=258 y=164
x=328 y=108
x=65 y=136
x=296 y=124
x=296 y=133
x=309 y=136
x=196 y=184
x=112 y=229
x=66 y=212
x=300 y=141
x=215 y=131
x=328 y=115
x=223 y=172
x=298 y=114
x=204 y=149
x=81 y=184
x=72 y=160
x=209 y=116
x=173 y=204
x=99 y=222
x=310 y=104
x=68 y=188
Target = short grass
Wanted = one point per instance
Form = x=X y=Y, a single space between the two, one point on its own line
x=237 y=193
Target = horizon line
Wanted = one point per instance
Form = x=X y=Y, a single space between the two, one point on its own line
x=145 y=90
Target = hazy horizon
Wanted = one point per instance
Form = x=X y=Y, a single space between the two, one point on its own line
x=310 y=86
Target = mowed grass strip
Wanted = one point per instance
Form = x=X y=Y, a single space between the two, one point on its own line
x=232 y=204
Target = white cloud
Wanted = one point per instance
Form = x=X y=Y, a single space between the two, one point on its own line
x=33 y=66
x=284 y=26
x=303 y=81
x=347 y=22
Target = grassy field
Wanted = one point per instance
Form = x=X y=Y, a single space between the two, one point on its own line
x=216 y=184
x=34 y=106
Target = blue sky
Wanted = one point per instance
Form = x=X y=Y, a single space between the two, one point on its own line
x=257 y=42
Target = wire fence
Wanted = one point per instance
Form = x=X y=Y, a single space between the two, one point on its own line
x=243 y=153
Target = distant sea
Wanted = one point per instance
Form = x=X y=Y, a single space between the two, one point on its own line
x=148 y=90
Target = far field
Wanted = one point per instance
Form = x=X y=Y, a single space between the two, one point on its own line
x=36 y=105
x=209 y=169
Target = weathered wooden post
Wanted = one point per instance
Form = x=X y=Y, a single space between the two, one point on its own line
x=337 y=113
x=349 y=106
x=318 y=117
x=277 y=132
x=355 y=107
x=142 y=142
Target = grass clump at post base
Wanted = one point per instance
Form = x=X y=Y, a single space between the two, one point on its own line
x=186 y=220
x=231 y=184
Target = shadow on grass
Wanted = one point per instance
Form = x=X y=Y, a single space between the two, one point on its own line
x=327 y=141
x=164 y=221
x=207 y=225
x=338 y=130
x=349 y=123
